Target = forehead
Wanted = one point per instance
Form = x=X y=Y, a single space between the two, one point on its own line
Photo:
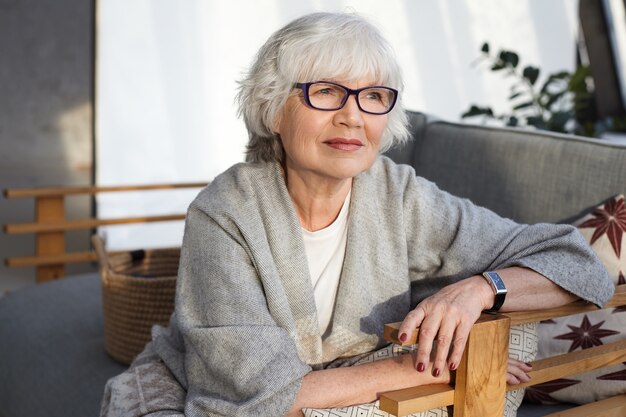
x=346 y=68
x=351 y=83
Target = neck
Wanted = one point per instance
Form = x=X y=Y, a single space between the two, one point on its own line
x=317 y=203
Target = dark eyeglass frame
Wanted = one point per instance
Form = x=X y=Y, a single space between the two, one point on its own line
x=305 y=89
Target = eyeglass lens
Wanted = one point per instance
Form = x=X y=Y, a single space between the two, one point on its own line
x=326 y=96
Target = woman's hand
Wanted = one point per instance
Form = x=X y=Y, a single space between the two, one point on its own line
x=446 y=318
x=517 y=372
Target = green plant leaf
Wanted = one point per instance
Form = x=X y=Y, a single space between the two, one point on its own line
x=497 y=67
x=553 y=98
x=531 y=74
x=561 y=75
x=485 y=48
x=536 y=121
x=512 y=121
x=523 y=105
x=558 y=121
x=509 y=57
x=477 y=111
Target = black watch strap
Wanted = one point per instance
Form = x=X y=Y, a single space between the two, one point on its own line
x=497 y=284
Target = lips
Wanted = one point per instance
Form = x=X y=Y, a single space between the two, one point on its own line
x=344 y=144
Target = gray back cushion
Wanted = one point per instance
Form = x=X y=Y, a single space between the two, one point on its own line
x=526 y=175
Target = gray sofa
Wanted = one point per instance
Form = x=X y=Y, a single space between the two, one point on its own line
x=52 y=360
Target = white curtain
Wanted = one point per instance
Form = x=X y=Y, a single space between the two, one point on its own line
x=167 y=71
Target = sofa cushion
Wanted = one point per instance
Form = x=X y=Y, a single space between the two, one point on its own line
x=52 y=354
x=527 y=175
x=605 y=229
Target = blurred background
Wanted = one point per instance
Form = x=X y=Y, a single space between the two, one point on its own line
x=113 y=92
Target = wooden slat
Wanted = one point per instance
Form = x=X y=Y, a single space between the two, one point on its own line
x=481 y=376
x=571 y=363
x=390 y=334
x=85 y=224
x=65 y=258
x=521 y=317
x=390 y=331
x=58 y=191
x=611 y=407
x=416 y=399
x=48 y=211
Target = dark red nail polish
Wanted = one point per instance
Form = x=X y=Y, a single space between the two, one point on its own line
x=436 y=372
x=403 y=337
x=421 y=367
x=453 y=366
x=529 y=364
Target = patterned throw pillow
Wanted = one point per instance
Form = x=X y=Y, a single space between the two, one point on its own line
x=604 y=229
x=522 y=346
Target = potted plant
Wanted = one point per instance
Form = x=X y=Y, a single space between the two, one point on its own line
x=563 y=102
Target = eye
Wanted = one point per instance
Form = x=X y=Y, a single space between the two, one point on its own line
x=374 y=95
x=325 y=90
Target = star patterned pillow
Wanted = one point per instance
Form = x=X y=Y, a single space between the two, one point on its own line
x=604 y=228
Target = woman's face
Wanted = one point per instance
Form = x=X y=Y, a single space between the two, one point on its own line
x=329 y=145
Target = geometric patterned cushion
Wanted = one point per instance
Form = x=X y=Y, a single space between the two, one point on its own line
x=604 y=229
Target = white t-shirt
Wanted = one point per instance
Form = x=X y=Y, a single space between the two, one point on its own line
x=325 y=250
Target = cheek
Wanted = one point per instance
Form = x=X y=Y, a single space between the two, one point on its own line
x=296 y=136
x=376 y=130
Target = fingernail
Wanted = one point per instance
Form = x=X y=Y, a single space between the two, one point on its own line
x=403 y=337
x=436 y=372
x=529 y=364
x=421 y=367
x=453 y=366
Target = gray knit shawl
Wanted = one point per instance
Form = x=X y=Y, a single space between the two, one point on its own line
x=246 y=331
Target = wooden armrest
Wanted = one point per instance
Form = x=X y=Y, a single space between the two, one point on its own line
x=521 y=317
x=611 y=407
x=65 y=225
x=416 y=399
x=62 y=191
x=571 y=363
x=481 y=377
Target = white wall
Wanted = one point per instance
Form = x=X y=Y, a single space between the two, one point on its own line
x=167 y=71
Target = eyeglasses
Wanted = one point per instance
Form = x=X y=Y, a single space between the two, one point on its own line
x=324 y=95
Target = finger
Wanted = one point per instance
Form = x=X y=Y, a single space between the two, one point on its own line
x=524 y=366
x=511 y=379
x=444 y=339
x=428 y=332
x=516 y=369
x=460 y=341
x=412 y=320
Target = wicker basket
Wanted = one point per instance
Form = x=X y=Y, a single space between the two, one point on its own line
x=138 y=291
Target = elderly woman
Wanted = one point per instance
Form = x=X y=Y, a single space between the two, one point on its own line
x=292 y=262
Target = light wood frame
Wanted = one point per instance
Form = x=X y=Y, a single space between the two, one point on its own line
x=480 y=382
x=51 y=224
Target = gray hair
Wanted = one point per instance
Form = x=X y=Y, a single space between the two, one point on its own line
x=315 y=47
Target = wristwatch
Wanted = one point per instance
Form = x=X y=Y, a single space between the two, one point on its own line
x=498 y=288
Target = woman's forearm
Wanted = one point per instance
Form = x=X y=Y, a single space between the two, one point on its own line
x=529 y=290
x=340 y=387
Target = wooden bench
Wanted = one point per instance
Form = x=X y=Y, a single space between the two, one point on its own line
x=480 y=382
x=50 y=224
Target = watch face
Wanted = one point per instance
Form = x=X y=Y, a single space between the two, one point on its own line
x=497 y=282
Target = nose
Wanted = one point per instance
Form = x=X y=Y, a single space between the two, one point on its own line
x=350 y=115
